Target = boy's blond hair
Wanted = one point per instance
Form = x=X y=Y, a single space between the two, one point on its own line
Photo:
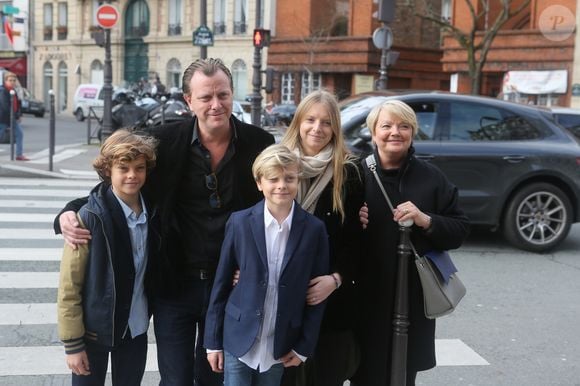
x=273 y=159
x=124 y=146
x=9 y=74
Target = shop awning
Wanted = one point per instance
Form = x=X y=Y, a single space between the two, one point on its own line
x=536 y=82
x=16 y=65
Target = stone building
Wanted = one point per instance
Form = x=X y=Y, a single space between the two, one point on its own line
x=152 y=38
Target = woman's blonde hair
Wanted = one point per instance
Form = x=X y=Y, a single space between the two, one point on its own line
x=398 y=109
x=124 y=146
x=341 y=155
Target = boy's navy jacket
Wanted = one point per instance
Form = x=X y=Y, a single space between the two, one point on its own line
x=235 y=313
x=109 y=274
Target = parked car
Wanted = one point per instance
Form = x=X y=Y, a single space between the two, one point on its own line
x=283 y=114
x=515 y=168
x=569 y=118
x=242 y=111
x=31 y=105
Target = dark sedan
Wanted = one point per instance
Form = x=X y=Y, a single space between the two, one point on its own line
x=516 y=169
x=31 y=105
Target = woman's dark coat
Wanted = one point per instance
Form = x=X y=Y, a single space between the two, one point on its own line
x=426 y=186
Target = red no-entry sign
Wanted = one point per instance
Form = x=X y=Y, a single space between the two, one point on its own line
x=107 y=16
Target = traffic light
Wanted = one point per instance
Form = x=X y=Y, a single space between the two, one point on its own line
x=261 y=37
x=386 y=12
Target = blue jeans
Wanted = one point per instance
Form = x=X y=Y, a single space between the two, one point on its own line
x=127 y=363
x=178 y=320
x=18 y=136
x=237 y=373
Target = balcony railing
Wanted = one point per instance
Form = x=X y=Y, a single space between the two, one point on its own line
x=240 y=27
x=174 y=29
x=47 y=32
x=219 y=28
x=62 y=32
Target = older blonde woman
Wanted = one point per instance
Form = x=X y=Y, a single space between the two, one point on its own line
x=419 y=191
x=331 y=189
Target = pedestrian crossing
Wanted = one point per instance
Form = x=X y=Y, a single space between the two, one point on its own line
x=29 y=265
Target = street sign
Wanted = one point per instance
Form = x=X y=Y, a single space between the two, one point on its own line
x=383 y=38
x=202 y=36
x=107 y=16
x=10 y=10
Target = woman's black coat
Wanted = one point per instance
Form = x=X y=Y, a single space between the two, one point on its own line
x=426 y=186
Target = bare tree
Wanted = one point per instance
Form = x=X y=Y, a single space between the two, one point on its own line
x=475 y=41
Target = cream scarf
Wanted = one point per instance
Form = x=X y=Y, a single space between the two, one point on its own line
x=316 y=174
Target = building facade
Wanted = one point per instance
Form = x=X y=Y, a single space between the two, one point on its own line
x=328 y=43
x=531 y=60
x=152 y=38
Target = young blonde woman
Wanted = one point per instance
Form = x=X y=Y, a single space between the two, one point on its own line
x=332 y=190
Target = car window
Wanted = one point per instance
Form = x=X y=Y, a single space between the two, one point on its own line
x=569 y=120
x=427 y=114
x=101 y=94
x=474 y=122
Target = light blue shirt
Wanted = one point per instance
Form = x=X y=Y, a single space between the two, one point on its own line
x=139 y=313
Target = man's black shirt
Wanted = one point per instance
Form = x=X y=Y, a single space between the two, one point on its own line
x=202 y=223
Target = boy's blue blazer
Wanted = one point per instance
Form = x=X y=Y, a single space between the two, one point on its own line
x=235 y=313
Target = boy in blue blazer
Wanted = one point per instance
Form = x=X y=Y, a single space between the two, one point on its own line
x=262 y=324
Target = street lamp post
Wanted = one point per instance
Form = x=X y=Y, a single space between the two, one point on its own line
x=257 y=76
x=107 y=89
x=203 y=21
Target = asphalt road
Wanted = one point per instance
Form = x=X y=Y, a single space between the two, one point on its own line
x=37 y=130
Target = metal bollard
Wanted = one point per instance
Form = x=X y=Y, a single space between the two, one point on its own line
x=401 y=309
x=12 y=124
x=163 y=100
x=51 y=131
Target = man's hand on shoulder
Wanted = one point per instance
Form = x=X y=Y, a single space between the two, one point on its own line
x=71 y=230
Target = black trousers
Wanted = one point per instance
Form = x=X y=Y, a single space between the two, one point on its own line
x=127 y=363
x=335 y=360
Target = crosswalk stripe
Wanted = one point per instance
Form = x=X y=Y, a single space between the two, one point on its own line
x=453 y=352
x=46 y=182
x=48 y=360
x=26 y=234
x=43 y=192
x=32 y=204
x=27 y=217
x=59 y=157
x=29 y=279
x=30 y=254
x=27 y=314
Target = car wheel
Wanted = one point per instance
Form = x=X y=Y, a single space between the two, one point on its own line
x=538 y=217
x=39 y=115
x=79 y=115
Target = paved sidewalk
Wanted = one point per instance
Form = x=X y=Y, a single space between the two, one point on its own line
x=73 y=161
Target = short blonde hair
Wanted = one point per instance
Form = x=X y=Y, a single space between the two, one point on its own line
x=273 y=159
x=124 y=146
x=9 y=74
x=398 y=109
